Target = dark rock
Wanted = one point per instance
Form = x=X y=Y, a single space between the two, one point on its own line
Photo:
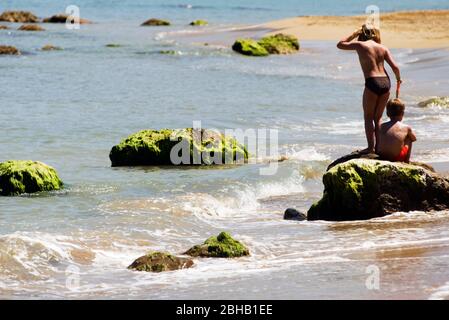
x=62 y=18
x=293 y=214
x=155 y=23
x=160 y=261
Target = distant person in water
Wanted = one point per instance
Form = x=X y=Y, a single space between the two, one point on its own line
x=395 y=138
x=372 y=55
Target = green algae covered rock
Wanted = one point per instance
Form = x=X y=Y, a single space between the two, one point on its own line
x=363 y=189
x=155 y=22
x=280 y=44
x=199 y=23
x=160 y=261
x=221 y=246
x=177 y=147
x=442 y=102
x=19 y=176
x=249 y=47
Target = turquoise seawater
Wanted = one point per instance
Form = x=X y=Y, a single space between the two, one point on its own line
x=68 y=108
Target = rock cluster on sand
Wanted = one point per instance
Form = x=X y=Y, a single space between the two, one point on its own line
x=221 y=246
x=363 y=189
x=19 y=176
x=9 y=50
x=160 y=261
x=442 y=102
x=155 y=22
x=154 y=147
x=18 y=16
x=62 y=18
x=199 y=23
x=31 y=27
x=276 y=44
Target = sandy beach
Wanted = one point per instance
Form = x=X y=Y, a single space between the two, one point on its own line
x=408 y=29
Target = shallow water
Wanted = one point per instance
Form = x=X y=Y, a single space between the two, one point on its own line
x=68 y=108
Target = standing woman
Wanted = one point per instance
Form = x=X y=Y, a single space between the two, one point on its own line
x=372 y=55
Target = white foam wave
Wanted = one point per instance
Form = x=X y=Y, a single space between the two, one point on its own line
x=441 y=293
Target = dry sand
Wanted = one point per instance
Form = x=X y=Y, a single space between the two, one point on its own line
x=408 y=29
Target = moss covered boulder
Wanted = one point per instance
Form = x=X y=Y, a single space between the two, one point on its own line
x=442 y=102
x=221 y=246
x=9 y=50
x=177 y=147
x=363 y=189
x=19 y=16
x=155 y=23
x=159 y=262
x=199 y=23
x=249 y=47
x=31 y=27
x=19 y=176
x=62 y=18
x=280 y=44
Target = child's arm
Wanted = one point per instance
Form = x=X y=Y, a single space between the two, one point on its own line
x=346 y=44
x=411 y=135
x=393 y=65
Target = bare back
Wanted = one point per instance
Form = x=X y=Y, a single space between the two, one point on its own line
x=393 y=136
x=372 y=56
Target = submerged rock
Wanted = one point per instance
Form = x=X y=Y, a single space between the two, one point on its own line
x=18 y=16
x=155 y=22
x=363 y=189
x=31 y=27
x=62 y=18
x=280 y=44
x=9 y=50
x=19 y=176
x=184 y=146
x=160 y=261
x=442 y=102
x=221 y=246
x=3 y=27
x=199 y=23
x=113 y=45
x=50 y=47
x=249 y=47
x=293 y=214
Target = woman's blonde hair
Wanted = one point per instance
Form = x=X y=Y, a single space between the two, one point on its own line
x=369 y=33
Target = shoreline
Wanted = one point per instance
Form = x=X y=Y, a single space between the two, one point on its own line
x=402 y=29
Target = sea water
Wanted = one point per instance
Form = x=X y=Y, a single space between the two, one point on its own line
x=68 y=108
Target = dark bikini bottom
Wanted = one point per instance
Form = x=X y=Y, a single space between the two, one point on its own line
x=378 y=85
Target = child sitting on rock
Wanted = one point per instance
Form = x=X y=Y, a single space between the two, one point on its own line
x=395 y=137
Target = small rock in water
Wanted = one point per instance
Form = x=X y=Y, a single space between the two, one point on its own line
x=3 y=27
x=280 y=44
x=249 y=47
x=31 y=27
x=50 y=47
x=293 y=214
x=221 y=246
x=62 y=18
x=18 y=16
x=113 y=45
x=159 y=262
x=199 y=23
x=10 y=50
x=156 y=22
x=442 y=102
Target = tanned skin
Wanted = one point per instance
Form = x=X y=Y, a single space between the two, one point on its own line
x=371 y=56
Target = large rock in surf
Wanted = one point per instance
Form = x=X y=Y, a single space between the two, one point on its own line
x=19 y=16
x=442 y=102
x=62 y=18
x=31 y=27
x=221 y=246
x=193 y=147
x=249 y=47
x=160 y=261
x=20 y=176
x=155 y=22
x=363 y=189
x=280 y=44
x=10 y=50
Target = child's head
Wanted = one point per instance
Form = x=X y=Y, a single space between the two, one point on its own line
x=369 y=33
x=395 y=108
